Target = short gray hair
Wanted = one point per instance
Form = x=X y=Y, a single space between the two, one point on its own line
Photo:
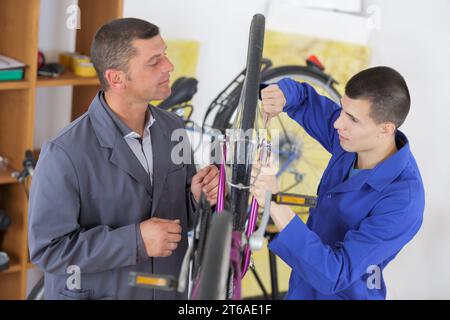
x=112 y=48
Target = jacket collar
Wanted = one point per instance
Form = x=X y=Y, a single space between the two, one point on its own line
x=121 y=126
x=381 y=175
x=388 y=170
x=109 y=136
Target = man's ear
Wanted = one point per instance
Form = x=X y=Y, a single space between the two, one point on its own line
x=115 y=78
x=387 y=129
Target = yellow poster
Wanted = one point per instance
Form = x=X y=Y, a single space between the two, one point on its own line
x=184 y=56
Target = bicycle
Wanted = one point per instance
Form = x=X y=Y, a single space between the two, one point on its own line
x=208 y=246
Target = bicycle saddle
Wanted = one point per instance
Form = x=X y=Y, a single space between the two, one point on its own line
x=183 y=89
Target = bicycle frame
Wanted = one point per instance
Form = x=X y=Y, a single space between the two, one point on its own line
x=239 y=262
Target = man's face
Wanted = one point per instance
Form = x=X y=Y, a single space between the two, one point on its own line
x=357 y=131
x=149 y=70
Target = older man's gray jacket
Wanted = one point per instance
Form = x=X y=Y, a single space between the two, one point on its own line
x=88 y=196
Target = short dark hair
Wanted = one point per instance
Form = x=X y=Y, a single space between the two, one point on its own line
x=385 y=89
x=112 y=48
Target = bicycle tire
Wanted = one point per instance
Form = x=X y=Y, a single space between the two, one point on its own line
x=253 y=72
x=37 y=293
x=213 y=278
x=249 y=95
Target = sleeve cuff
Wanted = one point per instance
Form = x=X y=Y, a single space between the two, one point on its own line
x=293 y=92
x=141 y=253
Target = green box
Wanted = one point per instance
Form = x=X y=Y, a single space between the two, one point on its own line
x=11 y=74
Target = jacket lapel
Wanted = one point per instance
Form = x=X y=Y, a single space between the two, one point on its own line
x=124 y=158
x=161 y=146
x=109 y=136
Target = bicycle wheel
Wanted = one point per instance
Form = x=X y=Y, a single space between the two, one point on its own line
x=215 y=264
x=302 y=159
x=246 y=118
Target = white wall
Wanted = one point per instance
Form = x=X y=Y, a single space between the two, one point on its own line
x=413 y=38
x=53 y=105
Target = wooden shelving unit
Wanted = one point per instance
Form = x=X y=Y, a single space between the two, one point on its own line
x=67 y=79
x=11 y=85
x=19 y=23
x=6 y=176
x=14 y=266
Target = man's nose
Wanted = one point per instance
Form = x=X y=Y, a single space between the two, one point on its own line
x=168 y=66
x=338 y=123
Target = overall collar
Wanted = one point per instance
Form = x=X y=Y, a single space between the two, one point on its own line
x=382 y=174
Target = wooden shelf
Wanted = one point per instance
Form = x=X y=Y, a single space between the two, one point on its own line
x=68 y=78
x=19 y=39
x=14 y=266
x=14 y=85
x=5 y=176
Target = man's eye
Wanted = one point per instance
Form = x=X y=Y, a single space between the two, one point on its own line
x=155 y=62
x=352 y=118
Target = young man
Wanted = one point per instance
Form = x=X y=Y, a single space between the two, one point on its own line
x=106 y=198
x=370 y=198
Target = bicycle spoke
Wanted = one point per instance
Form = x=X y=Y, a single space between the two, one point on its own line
x=285 y=132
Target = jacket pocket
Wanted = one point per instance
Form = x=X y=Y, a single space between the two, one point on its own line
x=176 y=168
x=66 y=294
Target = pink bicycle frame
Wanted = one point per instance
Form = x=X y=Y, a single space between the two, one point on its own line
x=239 y=267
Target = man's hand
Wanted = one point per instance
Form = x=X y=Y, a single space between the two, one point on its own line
x=273 y=100
x=161 y=236
x=206 y=180
x=264 y=179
